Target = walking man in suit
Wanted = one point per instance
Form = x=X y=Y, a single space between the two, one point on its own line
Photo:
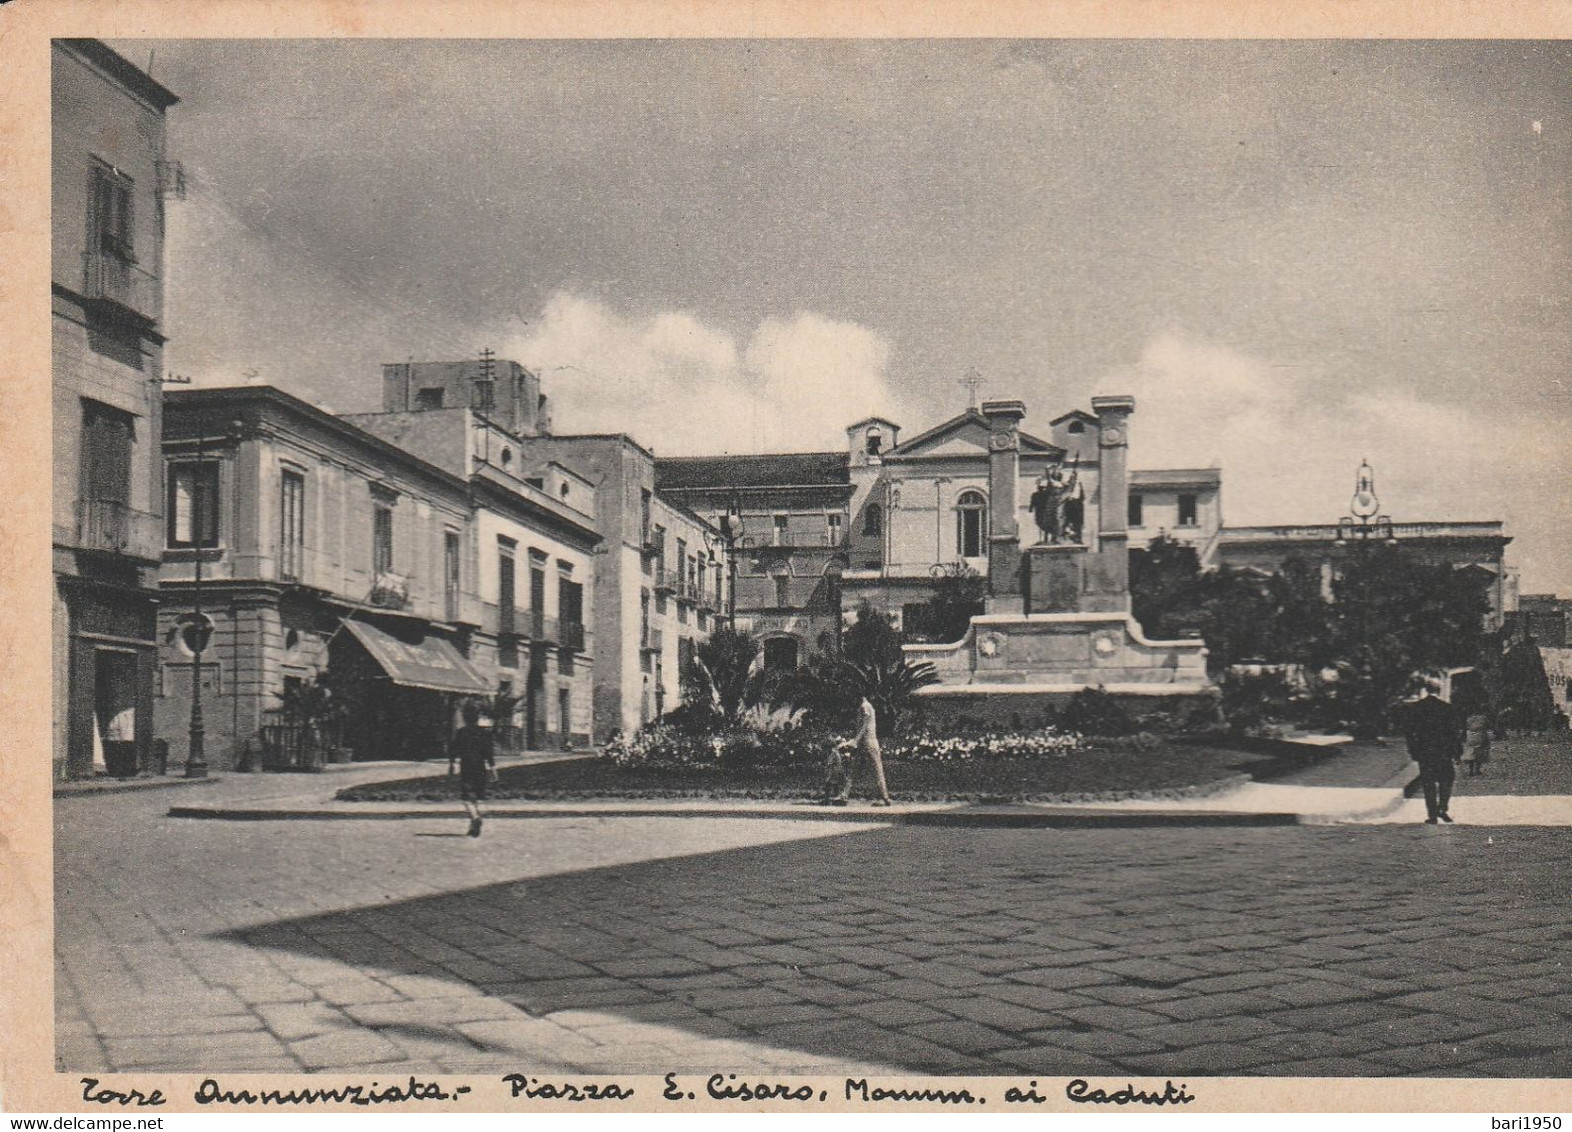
x=1433 y=730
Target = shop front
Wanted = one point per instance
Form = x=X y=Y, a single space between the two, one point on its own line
x=401 y=687
x=110 y=672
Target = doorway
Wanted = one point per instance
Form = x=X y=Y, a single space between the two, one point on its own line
x=534 y=705
x=114 y=710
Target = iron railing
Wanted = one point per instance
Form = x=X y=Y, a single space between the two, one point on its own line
x=114 y=279
x=113 y=527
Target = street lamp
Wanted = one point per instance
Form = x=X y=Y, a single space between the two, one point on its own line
x=832 y=578
x=198 y=629
x=731 y=530
x=1365 y=521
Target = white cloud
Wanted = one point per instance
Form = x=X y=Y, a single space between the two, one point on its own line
x=1289 y=450
x=681 y=386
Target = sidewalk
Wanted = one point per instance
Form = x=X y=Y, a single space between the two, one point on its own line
x=275 y=788
x=311 y=798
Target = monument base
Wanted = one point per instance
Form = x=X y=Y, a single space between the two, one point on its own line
x=1050 y=656
x=1023 y=707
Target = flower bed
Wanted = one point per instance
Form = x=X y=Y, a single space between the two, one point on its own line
x=1083 y=772
x=947 y=747
x=663 y=746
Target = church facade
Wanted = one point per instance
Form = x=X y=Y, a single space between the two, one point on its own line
x=818 y=533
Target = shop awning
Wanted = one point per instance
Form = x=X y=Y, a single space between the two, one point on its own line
x=433 y=663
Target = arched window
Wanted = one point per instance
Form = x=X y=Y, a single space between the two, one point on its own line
x=875 y=441
x=971 y=524
x=873 y=521
x=1076 y=428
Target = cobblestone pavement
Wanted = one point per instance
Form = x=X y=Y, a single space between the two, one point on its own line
x=648 y=945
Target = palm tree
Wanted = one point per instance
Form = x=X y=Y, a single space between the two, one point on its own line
x=723 y=671
x=890 y=685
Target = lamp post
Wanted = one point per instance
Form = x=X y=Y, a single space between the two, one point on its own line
x=832 y=577
x=198 y=630
x=731 y=529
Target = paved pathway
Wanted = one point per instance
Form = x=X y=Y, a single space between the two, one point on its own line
x=651 y=944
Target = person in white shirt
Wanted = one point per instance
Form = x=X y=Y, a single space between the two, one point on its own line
x=837 y=789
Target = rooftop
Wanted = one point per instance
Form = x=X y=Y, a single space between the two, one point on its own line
x=784 y=469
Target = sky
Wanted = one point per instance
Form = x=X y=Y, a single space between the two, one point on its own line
x=1295 y=255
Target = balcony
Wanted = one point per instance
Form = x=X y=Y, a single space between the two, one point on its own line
x=665 y=581
x=122 y=289
x=542 y=629
x=522 y=624
x=113 y=528
x=572 y=636
x=390 y=591
x=686 y=591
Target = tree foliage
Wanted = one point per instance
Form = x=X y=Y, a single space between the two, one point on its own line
x=722 y=671
x=958 y=596
x=871 y=639
x=871 y=664
x=1387 y=615
x=1165 y=588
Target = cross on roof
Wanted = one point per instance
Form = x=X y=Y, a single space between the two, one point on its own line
x=972 y=382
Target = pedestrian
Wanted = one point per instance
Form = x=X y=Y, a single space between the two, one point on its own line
x=865 y=753
x=1433 y=730
x=1476 y=745
x=1473 y=704
x=472 y=750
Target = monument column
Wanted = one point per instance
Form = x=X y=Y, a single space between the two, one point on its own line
x=1004 y=537
x=1113 y=494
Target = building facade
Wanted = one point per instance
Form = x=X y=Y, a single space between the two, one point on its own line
x=108 y=173
x=653 y=586
x=882 y=519
x=656 y=579
x=1478 y=547
x=1184 y=504
x=682 y=599
x=536 y=545
x=317 y=552
x=1547 y=621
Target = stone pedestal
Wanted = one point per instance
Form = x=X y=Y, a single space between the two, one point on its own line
x=1054 y=578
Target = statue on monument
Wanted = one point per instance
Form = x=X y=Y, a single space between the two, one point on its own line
x=1059 y=504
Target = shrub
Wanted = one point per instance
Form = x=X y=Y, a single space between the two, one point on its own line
x=1143 y=741
x=694 y=717
x=791 y=748
x=1094 y=711
x=771 y=719
x=660 y=744
x=1253 y=700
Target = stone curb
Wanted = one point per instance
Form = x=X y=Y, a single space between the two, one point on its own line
x=130 y=786
x=1396 y=782
x=991 y=818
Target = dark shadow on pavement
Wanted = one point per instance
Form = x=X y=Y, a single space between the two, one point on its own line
x=1298 y=951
